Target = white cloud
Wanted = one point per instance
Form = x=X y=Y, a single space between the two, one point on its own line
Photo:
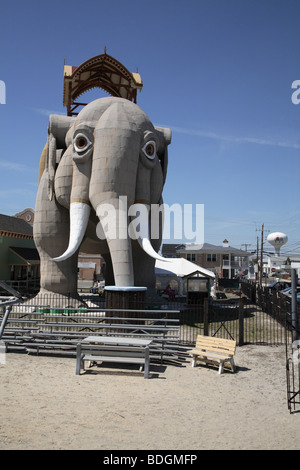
x=228 y=138
x=47 y=112
x=19 y=167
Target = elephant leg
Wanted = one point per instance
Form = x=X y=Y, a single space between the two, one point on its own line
x=109 y=273
x=58 y=279
x=144 y=269
x=144 y=266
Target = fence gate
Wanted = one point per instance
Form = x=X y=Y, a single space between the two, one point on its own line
x=292 y=366
x=224 y=321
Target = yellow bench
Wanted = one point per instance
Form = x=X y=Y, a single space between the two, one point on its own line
x=213 y=350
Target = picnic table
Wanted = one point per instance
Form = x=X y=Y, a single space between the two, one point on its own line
x=113 y=349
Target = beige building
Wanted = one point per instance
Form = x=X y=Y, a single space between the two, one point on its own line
x=224 y=260
x=19 y=259
x=90 y=267
x=27 y=215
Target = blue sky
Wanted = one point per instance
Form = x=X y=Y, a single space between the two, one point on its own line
x=217 y=72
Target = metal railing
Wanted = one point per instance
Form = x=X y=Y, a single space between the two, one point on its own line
x=261 y=319
x=7 y=304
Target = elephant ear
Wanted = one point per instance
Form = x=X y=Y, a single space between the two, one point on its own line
x=57 y=130
x=165 y=136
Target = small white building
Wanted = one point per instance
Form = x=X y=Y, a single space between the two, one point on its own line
x=273 y=264
x=176 y=271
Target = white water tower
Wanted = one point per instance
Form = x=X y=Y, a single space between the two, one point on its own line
x=277 y=239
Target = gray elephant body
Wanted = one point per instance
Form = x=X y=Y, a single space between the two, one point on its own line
x=109 y=151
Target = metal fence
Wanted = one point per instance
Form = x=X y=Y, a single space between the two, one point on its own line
x=278 y=308
x=270 y=301
x=293 y=366
x=244 y=322
x=262 y=321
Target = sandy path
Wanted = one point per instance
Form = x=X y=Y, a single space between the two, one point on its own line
x=44 y=405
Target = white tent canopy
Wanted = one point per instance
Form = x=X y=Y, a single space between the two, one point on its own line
x=182 y=267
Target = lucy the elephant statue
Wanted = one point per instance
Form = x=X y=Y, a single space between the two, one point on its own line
x=109 y=153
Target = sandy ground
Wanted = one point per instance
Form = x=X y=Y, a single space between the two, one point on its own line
x=44 y=405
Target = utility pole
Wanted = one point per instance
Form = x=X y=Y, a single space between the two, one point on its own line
x=261 y=252
x=245 y=245
x=256 y=273
x=242 y=259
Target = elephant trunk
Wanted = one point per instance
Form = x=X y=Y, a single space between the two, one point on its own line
x=114 y=224
x=115 y=162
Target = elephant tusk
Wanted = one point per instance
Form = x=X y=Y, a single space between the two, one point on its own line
x=148 y=248
x=79 y=217
x=143 y=235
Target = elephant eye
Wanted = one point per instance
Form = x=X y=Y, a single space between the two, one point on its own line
x=149 y=149
x=81 y=143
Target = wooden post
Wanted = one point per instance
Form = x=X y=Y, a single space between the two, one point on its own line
x=241 y=322
x=205 y=316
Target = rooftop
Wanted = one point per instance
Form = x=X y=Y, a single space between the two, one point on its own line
x=15 y=225
x=209 y=248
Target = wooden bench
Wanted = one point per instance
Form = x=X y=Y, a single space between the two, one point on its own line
x=120 y=353
x=213 y=350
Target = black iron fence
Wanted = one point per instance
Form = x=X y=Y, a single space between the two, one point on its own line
x=277 y=306
x=240 y=320
x=255 y=317
x=270 y=301
x=293 y=376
